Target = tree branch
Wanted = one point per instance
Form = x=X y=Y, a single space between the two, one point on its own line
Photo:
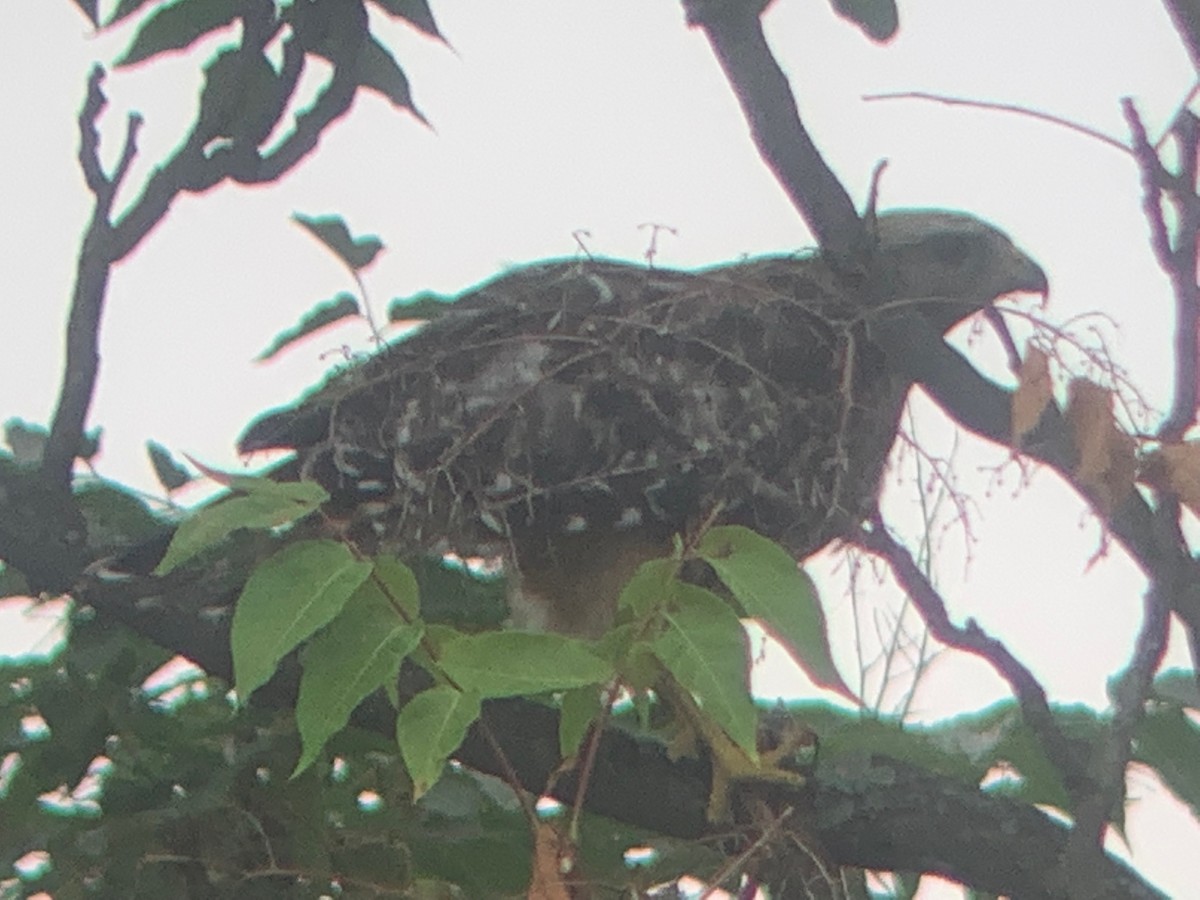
x=984 y=408
x=1179 y=262
x=1035 y=709
x=876 y=813
x=1133 y=687
x=91 y=284
x=735 y=33
x=1186 y=16
x=1112 y=757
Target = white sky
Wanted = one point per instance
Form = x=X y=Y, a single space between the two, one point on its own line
x=556 y=115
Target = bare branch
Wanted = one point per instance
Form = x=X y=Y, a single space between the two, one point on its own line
x=735 y=33
x=1112 y=756
x=91 y=284
x=1178 y=262
x=89 y=136
x=984 y=408
x=881 y=814
x=1004 y=107
x=1186 y=16
x=1035 y=709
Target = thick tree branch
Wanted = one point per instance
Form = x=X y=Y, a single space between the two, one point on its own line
x=735 y=32
x=984 y=408
x=879 y=813
x=1186 y=16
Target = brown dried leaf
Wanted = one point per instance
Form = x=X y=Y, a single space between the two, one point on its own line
x=1106 y=465
x=550 y=850
x=1176 y=468
x=1035 y=389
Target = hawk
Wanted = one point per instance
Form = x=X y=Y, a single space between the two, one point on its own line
x=575 y=416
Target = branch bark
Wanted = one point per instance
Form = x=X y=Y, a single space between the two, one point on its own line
x=91 y=285
x=734 y=31
x=878 y=813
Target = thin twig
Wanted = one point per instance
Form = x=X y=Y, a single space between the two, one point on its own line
x=746 y=855
x=1035 y=708
x=510 y=773
x=89 y=135
x=1179 y=262
x=588 y=764
x=1003 y=107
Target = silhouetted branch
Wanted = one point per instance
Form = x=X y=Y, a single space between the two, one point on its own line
x=1003 y=107
x=91 y=285
x=983 y=407
x=89 y=135
x=1112 y=756
x=1186 y=16
x=1035 y=709
x=333 y=102
x=1133 y=686
x=735 y=33
x=1178 y=261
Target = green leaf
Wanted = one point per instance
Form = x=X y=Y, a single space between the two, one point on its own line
x=1169 y=742
x=171 y=474
x=12 y=582
x=178 y=26
x=415 y=12
x=705 y=648
x=356 y=653
x=242 y=97
x=1012 y=742
x=452 y=593
x=400 y=583
x=580 y=706
x=266 y=504
x=771 y=588
x=378 y=71
x=510 y=663
x=333 y=310
x=879 y=19
x=124 y=10
x=89 y=9
x=470 y=835
x=286 y=599
x=905 y=885
x=652 y=587
x=303 y=492
x=1178 y=687
x=355 y=253
x=116 y=519
x=424 y=306
x=89 y=444
x=964 y=748
x=333 y=29
x=26 y=440
x=429 y=728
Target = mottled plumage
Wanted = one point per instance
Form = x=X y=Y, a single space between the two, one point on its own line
x=574 y=415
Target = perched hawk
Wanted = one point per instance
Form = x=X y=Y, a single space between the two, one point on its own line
x=573 y=416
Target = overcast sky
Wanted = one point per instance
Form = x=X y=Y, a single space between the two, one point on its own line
x=555 y=115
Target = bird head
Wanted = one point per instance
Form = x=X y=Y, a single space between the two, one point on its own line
x=947 y=265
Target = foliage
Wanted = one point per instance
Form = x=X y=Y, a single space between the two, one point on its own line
x=127 y=772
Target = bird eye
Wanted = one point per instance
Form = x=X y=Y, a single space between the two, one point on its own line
x=950 y=249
